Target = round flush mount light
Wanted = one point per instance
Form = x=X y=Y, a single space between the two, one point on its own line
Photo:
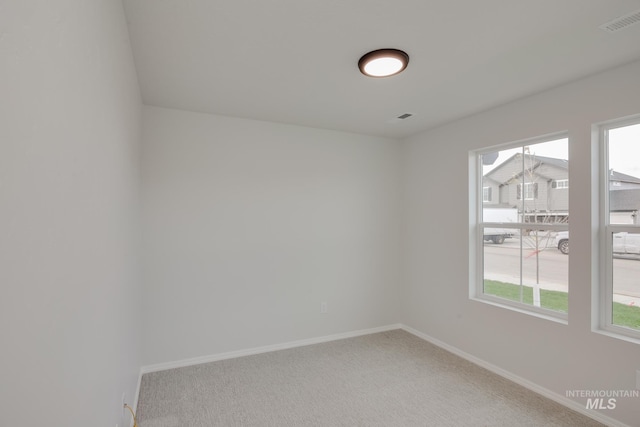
x=383 y=62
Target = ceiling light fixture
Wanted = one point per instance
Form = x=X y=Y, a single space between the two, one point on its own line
x=383 y=62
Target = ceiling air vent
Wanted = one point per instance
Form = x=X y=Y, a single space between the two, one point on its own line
x=622 y=22
x=400 y=118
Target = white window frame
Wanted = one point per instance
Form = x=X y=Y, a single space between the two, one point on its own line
x=604 y=295
x=528 y=191
x=476 y=232
x=488 y=194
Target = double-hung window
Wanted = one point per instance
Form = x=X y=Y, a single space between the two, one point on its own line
x=516 y=261
x=620 y=228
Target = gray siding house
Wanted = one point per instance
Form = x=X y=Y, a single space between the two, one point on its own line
x=624 y=198
x=541 y=192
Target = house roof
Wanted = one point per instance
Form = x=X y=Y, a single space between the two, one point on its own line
x=539 y=160
x=559 y=163
x=617 y=176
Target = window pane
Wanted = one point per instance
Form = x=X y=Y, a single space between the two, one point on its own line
x=624 y=170
x=626 y=287
x=522 y=189
x=545 y=269
x=502 y=268
x=526 y=268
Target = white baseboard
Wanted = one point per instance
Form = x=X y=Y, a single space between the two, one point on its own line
x=571 y=404
x=258 y=350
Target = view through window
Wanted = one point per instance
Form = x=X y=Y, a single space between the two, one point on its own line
x=525 y=225
x=622 y=227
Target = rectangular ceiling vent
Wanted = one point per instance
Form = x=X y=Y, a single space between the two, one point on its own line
x=400 y=118
x=622 y=22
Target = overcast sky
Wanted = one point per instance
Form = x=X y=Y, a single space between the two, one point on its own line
x=624 y=151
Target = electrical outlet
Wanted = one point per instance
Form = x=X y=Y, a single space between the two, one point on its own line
x=323 y=307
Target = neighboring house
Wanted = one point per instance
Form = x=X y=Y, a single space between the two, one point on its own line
x=542 y=195
x=624 y=198
x=620 y=181
x=624 y=205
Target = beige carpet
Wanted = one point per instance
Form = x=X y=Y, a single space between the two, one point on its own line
x=384 y=379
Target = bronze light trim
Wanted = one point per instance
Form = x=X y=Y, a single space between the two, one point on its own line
x=383 y=63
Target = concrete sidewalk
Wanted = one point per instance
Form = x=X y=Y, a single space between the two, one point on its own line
x=626 y=300
x=623 y=299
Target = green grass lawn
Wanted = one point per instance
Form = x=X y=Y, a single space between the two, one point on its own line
x=623 y=315
x=626 y=315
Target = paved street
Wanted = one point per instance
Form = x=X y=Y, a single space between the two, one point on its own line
x=502 y=263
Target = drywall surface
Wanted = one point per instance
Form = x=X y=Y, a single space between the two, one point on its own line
x=249 y=226
x=436 y=300
x=69 y=151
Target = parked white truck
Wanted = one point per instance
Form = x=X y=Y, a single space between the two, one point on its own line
x=623 y=243
x=497 y=234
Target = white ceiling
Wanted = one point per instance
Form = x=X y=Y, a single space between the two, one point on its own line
x=295 y=61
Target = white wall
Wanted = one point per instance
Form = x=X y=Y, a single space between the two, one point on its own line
x=436 y=264
x=250 y=225
x=69 y=142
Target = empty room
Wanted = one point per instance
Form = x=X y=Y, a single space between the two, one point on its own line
x=319 y=213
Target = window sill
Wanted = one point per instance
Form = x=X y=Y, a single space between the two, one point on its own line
x=619 y=334
x=541 y=313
